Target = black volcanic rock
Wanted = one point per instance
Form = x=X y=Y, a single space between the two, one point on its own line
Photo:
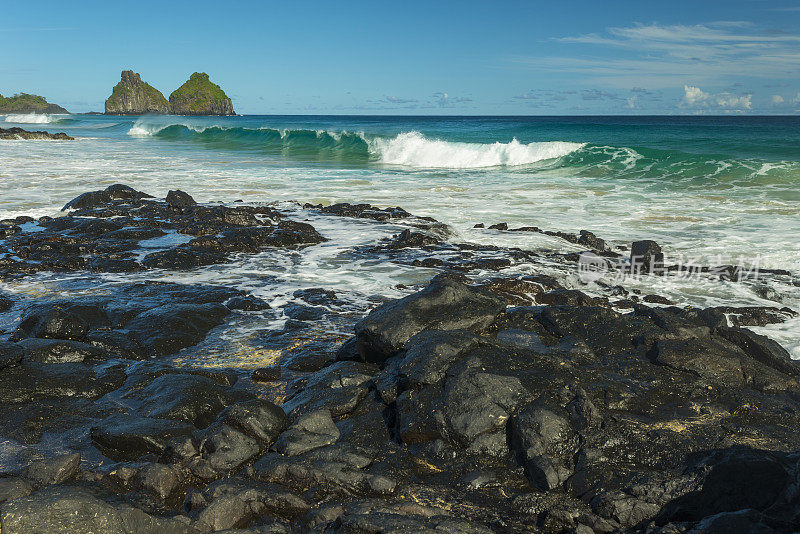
x=445 y=304
x=179 y=199
x=94 y=199
x=646 y=257
x=19 y=133
x=510 y=403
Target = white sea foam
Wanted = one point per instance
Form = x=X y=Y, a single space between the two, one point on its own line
x=412 y=149
x=32 y=118
x=139 y=130
x=151 y=126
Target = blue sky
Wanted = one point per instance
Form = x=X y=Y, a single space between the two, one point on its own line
x=373 y=57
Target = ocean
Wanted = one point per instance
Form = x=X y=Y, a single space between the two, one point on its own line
x=710 y=190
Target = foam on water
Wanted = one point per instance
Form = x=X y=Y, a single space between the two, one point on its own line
x=33 y=118
x=412 y=149
x=708 y=206
x=408 y=149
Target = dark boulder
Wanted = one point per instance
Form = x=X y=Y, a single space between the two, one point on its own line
x=53 y=470
x=126 y=437
x=266 y=374
x=10 y=354
x=223 y=449
x=178 y=258
x=247 y=303
x=179 y=199
x=169 y=328
x=647 y=257
x=761 y=349
x=429 y=354
x=734 y=480
x=589 y=240
x=160 y=480
x=72 y=510
x=6 y=303
x=30 y=381
x=308 y=432
x=60 y=351
x=106 y=196
x=257 y=418
x=409 y=239
x=544 y=443
x=62 y=320
x=13 y=487
x=476 y=406
x=345 y=475
x=445 y=304
x=338 y=387
x=191 y=398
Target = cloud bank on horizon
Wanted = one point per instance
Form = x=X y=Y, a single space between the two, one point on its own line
x=578 y=57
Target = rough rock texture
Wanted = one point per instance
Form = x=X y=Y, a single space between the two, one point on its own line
x=132 y=96
x=26 y=103
x=106 y=227
x=19 y=133
x=445 y=305
x=74 y=510
x=199 y=96
x=493 y=402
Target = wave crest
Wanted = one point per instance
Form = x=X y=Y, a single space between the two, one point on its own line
x=410 y=149
x=32 y=118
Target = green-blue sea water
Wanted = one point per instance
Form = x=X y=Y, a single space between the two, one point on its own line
x=710 y=189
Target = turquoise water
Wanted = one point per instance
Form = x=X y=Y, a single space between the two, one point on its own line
x=714 y=190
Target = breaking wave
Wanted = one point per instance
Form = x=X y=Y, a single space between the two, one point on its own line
x=410 y=149
x=413 y=149
x=34 y=118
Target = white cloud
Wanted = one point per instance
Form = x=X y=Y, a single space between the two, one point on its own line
x=661 y=56
x=777 y=99
x=444 y=100
x=632 y=101
x=694 y=97
x=796 y=99
x=729 y=101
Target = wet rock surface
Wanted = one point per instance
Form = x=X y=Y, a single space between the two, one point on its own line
x=484 y=400
x=19 y=133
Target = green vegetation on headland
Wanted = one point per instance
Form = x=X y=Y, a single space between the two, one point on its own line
x=198 y=96
x=26 y=103
x=132 y=96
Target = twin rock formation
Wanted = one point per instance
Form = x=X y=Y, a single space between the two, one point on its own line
x=198 y=96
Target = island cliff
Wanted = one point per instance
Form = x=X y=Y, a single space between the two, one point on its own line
x=25 y=103
x=199 y=96
x=132 y=96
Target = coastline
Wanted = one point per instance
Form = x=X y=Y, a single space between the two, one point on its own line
x=484 y=399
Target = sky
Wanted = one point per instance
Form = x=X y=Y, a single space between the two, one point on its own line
x=431 y=58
